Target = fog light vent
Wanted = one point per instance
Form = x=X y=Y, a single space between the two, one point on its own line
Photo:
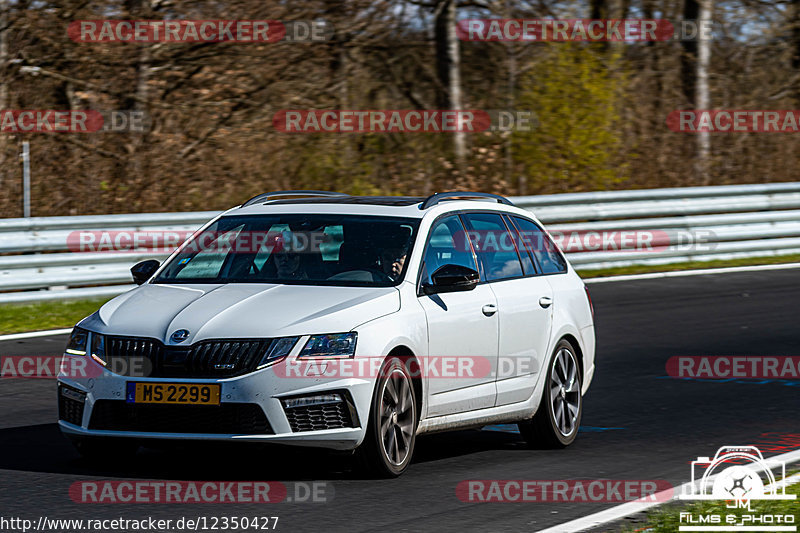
x=319 y=412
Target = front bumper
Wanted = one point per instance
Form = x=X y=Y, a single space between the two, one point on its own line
x=263 y=389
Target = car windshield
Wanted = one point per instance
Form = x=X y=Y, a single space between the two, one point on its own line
x=304 y=249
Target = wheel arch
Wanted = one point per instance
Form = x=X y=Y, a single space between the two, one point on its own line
x=402 y=350
x=570 y=338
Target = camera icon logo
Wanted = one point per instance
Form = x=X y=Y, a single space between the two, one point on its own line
x=737 y=473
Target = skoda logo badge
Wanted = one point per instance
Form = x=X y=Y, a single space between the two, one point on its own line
x=179 y=335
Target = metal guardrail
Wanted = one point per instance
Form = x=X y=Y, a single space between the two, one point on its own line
x=733 y=221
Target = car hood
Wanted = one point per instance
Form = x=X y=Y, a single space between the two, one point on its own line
x=240 y=310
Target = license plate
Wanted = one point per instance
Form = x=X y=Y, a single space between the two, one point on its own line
x=173 y=393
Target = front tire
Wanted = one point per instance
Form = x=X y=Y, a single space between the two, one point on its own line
x=556 y=422
x=391 y=432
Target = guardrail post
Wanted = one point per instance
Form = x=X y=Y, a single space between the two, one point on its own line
x=26 y=179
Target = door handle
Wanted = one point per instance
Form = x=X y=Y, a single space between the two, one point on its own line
x=545 y=301
x=489 y=309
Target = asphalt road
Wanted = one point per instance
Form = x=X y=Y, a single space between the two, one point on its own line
x=638 y=424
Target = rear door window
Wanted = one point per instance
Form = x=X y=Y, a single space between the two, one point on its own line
x=494 y=244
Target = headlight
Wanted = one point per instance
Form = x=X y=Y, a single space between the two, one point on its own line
x=99 y=348
x=278 y=349
x=77 y=342
x=333 y=345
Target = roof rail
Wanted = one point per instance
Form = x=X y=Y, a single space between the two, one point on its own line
x=438 y=197
x=269 y=195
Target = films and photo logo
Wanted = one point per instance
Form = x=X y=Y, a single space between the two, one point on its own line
x=738 y=475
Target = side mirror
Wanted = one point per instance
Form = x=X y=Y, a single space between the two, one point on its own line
x=452 y=278
x=143 y=271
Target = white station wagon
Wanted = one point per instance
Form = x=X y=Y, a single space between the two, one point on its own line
x=343 y=322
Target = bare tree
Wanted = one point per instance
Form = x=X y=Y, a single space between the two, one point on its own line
x=212 y=141
x=3 y=82
x=793 y=12
x=448 y=66
x=695 y=77
x=702 y=90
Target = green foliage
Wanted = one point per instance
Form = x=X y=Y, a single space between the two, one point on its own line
x=576 y=93
x=45 y=315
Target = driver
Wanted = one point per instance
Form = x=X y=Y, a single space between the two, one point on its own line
x=393 y=257
x=286 y=259
x=392 y=261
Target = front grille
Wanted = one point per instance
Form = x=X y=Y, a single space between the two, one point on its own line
x=70 y=409
x=317 y=417
x=134 y=356
x=226 y=418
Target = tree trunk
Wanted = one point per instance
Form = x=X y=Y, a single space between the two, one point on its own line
x=512 y=68
x=691 y=11
x=598 y=9
x=448 y=69
x=139 y=9
x=694 y=79
x=794 y=28
x=702 y=93
x=3 y=83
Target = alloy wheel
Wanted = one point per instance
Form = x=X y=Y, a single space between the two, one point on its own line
x=396 y=416
x=565 y=392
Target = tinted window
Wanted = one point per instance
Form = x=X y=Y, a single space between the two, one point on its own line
x=527 y=261
x=543 y=248
x=447 y=245
x=208 y=262
x=307 y=249
x=494 y=245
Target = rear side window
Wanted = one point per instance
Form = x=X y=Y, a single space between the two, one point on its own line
x=494 y=245
x=543 y=248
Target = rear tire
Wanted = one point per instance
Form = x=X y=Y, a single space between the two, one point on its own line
x=391 y=432
x=556 y=422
